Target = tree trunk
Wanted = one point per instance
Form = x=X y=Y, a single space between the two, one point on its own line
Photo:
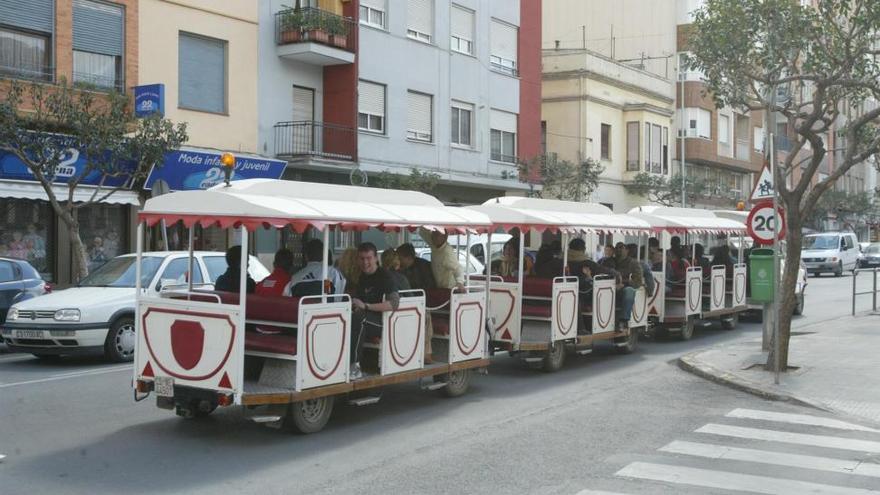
x=78 y=254
x=787 y=298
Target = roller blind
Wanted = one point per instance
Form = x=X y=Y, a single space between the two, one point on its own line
x=502 y=121
x=303 y=104
x=462 y=23
x=202 y=72
x=632 y=145
x=373 y=4
x=503 y=40
x=656 y=146
x=419 y=115
x=98 y=27
x=36 y=15
x=419 y=16
x=371 y=98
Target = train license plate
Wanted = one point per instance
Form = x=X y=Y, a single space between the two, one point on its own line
x=164 y=386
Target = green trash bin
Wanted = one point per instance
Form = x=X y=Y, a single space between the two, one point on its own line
x=761 y=276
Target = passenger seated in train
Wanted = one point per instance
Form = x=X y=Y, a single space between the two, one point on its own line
x=419 y=276
x=653 y=246
x=722 y=257
x=647 y=276
x=391 y=263
x=677 y=267
x=630 y=280
x=701 y=260
x=229 y=280
x=548 y=263
x=376 y=293
x=507 y=266
x=444 y=260
x=277 y=281
x=347 y=264
x=313 y=271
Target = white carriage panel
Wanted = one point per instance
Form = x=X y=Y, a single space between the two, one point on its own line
x=739 y=285
x=640 y=309
x=604 y=305
x=656 y=303
x=564 y=310
x=693 y=292
x=322 y=344
x=467 y=326
x=505 y=312
x=403 y=345
x=718 y=282
x=196 y=344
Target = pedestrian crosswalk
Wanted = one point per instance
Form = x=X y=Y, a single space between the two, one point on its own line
x=768 y=452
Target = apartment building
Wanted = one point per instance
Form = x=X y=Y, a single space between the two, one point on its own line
x=93 y=45
x=350 y=89
x=620 y=116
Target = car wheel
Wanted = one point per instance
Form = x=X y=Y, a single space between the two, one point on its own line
x=799 y=305
x=839 y=271
x=119 y=345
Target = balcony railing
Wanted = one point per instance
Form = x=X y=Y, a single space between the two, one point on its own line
x=311 y=24
x=97 y=82
x=30 y=72
x=308 y=138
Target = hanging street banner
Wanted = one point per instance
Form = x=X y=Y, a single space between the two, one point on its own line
x=188 y=169
x=764 y=187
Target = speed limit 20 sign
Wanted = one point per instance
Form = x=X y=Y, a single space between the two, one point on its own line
x=761 y=223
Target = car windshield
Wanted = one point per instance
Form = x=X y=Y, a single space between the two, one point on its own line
x=821 y=242
x=873 y=249
x=120 y=272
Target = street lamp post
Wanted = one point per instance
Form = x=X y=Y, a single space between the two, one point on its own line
x=682 y=131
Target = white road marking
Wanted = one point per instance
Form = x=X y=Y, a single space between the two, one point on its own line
x=16 y=357
x=65 y=376
x=797 y=419
x=723 y=452
x=724 y=480
x=795 y=438
x=597 y=492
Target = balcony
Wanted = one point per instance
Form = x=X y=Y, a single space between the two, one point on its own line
x=308 y=139
x=28 y=72
x=315 y=36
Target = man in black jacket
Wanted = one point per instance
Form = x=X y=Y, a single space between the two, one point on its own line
x=229 y=281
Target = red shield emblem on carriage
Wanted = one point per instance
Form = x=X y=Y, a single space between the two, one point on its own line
x=187 y=342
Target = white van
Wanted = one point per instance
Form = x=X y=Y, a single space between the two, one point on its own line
x=480 y=245
x=833 y=252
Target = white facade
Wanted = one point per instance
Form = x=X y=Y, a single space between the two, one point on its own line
x=411 y=56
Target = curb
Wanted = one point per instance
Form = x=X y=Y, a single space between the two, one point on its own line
x=693 y=365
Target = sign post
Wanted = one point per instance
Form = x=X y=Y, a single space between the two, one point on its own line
x=763 y=225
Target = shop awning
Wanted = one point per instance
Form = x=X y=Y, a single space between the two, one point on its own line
x=34 y=190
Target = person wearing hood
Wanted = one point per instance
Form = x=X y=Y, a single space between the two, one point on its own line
x=444 y=260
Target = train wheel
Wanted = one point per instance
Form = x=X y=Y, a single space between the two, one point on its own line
x=310 y=416
x=555 y=357
x=457 y=382
x=686 y=330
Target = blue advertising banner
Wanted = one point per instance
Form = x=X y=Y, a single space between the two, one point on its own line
x=149 y=99
x=72 y=164
x=188 y=170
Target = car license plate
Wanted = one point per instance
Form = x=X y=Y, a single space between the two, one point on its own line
x=164 y=386
x=30 y=334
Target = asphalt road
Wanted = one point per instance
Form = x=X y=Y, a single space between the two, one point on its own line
x=605 y=423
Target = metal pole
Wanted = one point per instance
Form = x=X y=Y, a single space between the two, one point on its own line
x=855 y=275
x=189 y=269
x=683 y=132
x=325 y=260
x=776 y=295
x=874 y=293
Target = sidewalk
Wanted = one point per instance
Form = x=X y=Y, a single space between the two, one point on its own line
x=838 y=367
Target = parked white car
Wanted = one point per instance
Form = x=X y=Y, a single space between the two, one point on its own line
x=97 y=315
x=833 y=252
x=470 y=265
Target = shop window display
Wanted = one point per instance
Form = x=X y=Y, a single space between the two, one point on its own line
x=25 y=233
x=103 y=231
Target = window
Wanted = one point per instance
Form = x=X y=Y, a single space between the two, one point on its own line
x=24 y=55
x=28 y=226
x=632 y=146
x=462 y=30
x=656 y=149
x=647 y=146
x=202 y=71
x=25 y=39
x=685 y=71
x=420 y=20
x=7 y=272
x=664 y=141
x=696 y=123
x=372 y=13
x=178 y=269
x=606 y=141
x=98 y=34
x=503 y=47
x=543 y=137
x=371 y=107
x=723 y=129
x=502 y=136
x=759 y=139
x=419 y=117
x=462 y=123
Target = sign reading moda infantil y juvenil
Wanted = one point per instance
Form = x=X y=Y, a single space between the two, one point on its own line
x=188 y=169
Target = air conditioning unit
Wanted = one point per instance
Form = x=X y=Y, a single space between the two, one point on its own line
x=688 y=133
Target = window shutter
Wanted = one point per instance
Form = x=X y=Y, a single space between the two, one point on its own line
x=503 y=40
x=759 y=138
x=419 y=16
x=202 y=73
x=419 y=113
x=36 y=15
x=303 y=104
x=98 y=27
x=502 y=121
x=371 y=98
x=462 y=23
x=374 y=4
x=632 y=144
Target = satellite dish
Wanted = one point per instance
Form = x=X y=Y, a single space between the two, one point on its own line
x=160 y=187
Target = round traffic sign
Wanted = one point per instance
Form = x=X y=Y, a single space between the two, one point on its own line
x=762 y=221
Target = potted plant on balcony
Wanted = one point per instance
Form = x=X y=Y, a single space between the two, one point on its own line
x=290 y=26
x=315 y=28
x=336 y=28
